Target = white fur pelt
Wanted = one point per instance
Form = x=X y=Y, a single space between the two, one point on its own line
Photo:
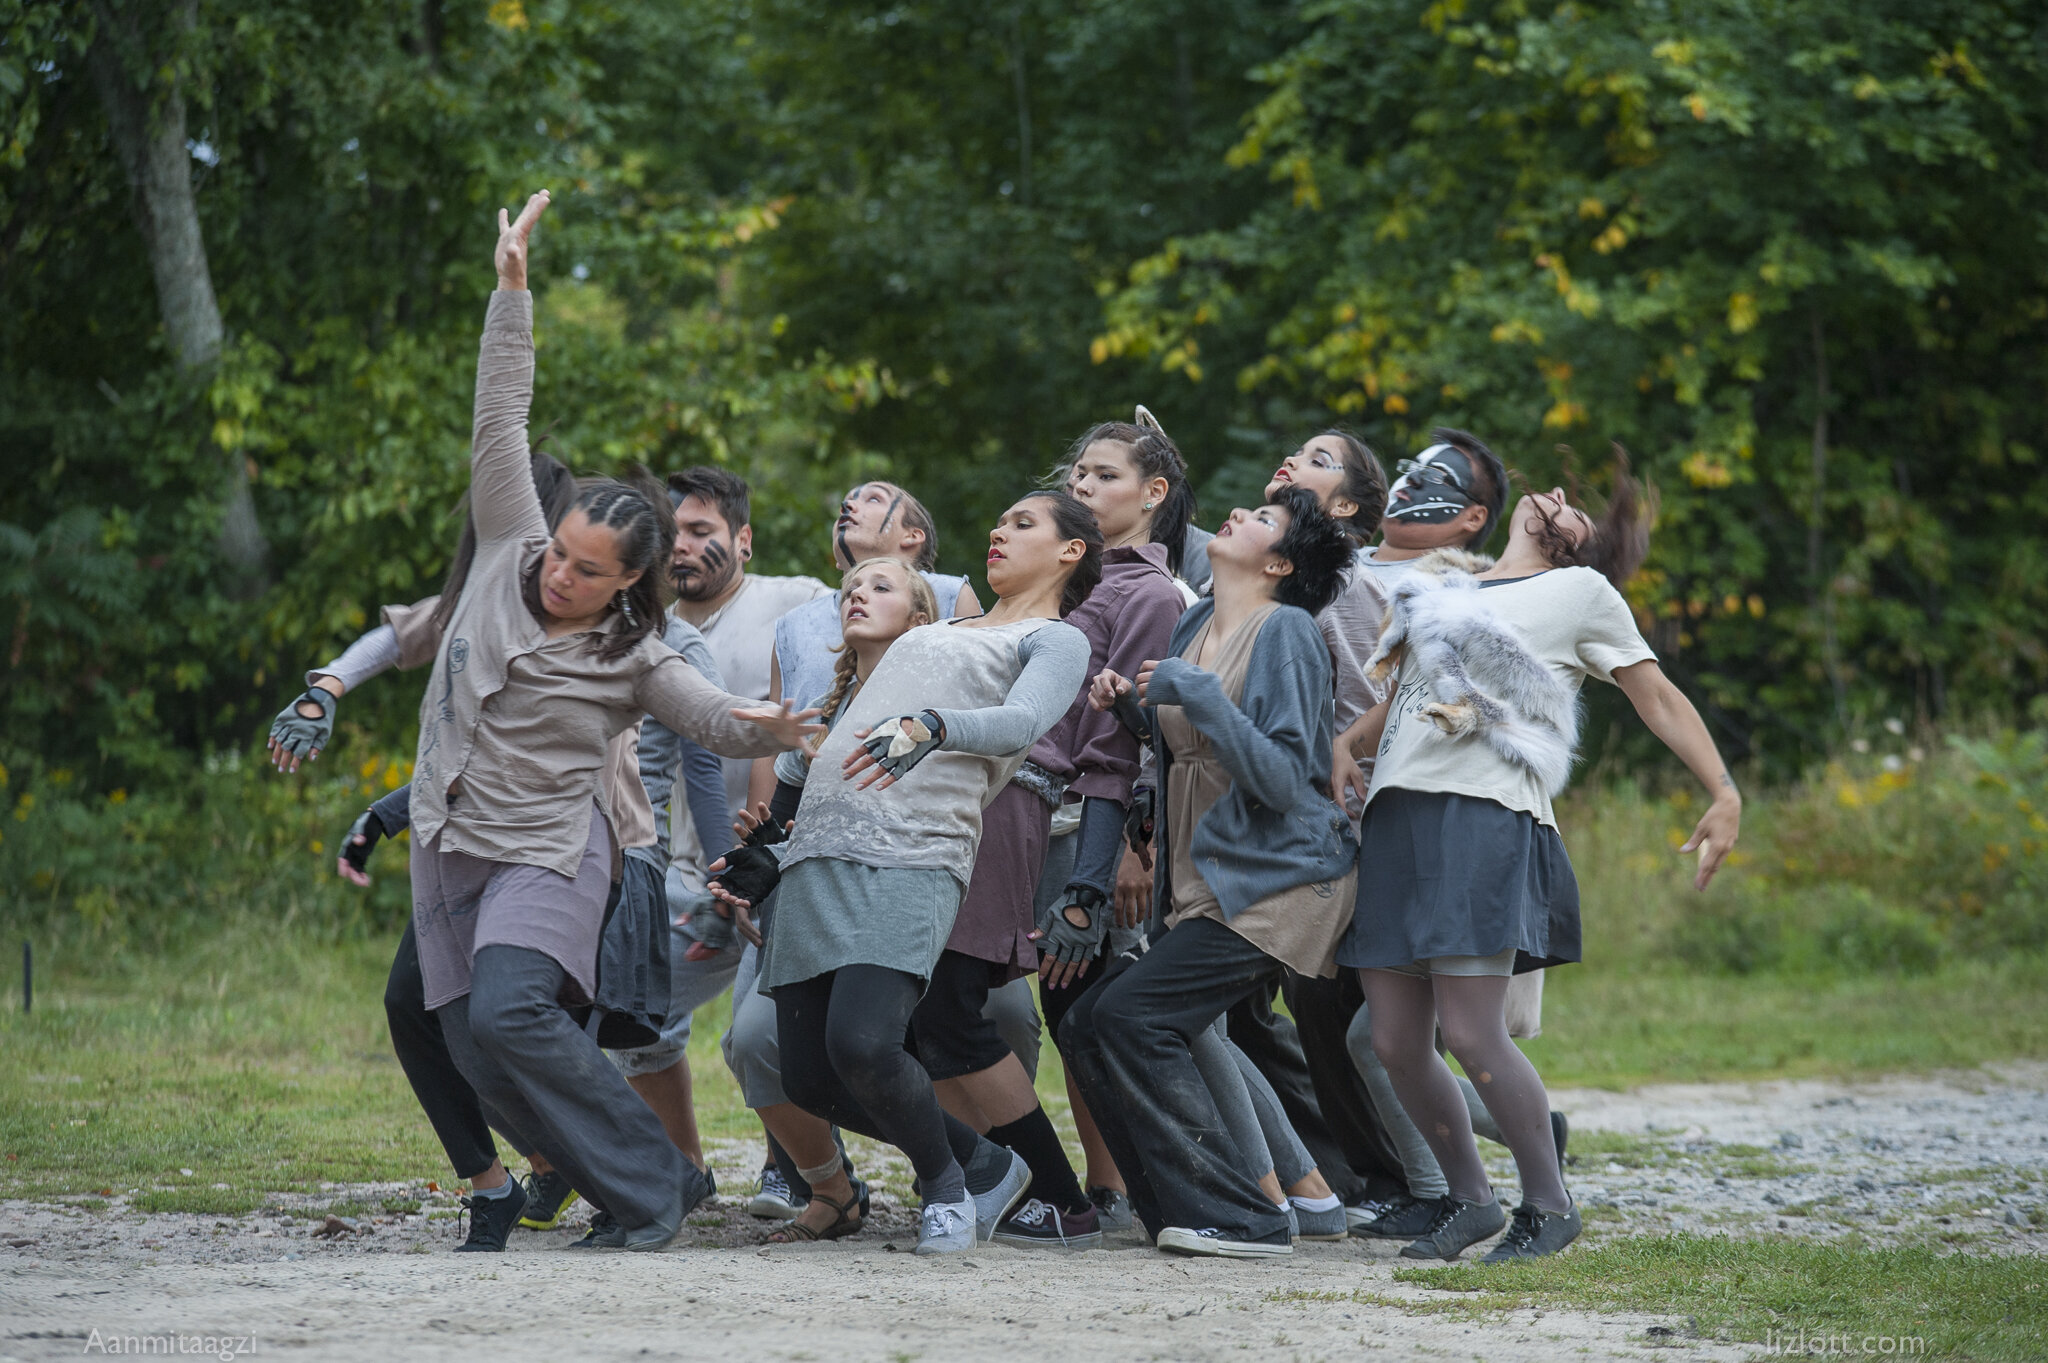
x=1484 y=677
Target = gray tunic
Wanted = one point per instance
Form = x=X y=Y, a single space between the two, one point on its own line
x=900 y=858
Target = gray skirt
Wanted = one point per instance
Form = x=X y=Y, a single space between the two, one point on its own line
x=830 y=913
x=1454 y=875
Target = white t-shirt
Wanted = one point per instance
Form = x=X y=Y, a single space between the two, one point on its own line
x=1576 y=623
x=741 y=636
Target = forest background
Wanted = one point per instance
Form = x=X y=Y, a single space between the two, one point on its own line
x=1793 y=256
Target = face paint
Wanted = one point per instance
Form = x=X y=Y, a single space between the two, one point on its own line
x=1434 y=487
x=709 y=576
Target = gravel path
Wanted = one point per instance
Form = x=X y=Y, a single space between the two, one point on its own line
x=1956 y=1160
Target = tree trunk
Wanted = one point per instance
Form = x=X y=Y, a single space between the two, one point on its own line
x=148 y=128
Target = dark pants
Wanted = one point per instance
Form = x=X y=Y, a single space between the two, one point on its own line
x=842 y=1036
x=1323 y=1010
x=545 y=1077
x=444 y=1095
x=1126 y=1041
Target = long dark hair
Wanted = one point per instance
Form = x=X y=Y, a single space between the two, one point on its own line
x=1620 y=538
x=1074 y=521
x=1365 y=484
x=1154 y=455
x=556 y=487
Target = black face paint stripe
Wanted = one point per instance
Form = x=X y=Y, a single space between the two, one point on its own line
x=890 y=514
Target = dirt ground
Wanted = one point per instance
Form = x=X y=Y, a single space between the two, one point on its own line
x=1957 y=1159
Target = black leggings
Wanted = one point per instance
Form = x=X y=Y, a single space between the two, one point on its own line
x=444 y=1095
x=842 y=1037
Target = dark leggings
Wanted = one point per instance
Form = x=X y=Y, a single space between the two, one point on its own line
x=843 y=1060
x=444 y=1095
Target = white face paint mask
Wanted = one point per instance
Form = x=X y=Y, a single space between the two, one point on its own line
x=1435 y=486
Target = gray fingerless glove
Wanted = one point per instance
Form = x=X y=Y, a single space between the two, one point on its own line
x=1063 y=941
x=300 y=736
x=901 y=743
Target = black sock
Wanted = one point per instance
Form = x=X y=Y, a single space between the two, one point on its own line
x=1052 y=1177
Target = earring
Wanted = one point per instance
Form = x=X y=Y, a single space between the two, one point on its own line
x=1148 y=506
x=625 y=605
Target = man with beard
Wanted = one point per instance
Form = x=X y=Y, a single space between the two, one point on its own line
x=735 y=611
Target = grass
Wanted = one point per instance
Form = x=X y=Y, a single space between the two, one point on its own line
x=1987 y=1307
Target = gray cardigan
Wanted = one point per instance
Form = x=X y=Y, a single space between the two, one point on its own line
x=1276 y=827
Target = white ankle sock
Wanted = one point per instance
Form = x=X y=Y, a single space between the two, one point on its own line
x=1318 y=1204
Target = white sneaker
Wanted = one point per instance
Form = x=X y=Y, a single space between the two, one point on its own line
x=774 y=1201
x=998 y=1202
x=1212 y=1243
x=946 y=1228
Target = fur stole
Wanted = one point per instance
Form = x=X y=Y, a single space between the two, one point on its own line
x=1484 y=678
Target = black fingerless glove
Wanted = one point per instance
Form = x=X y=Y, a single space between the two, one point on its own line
x=751 y=873
x=1067 y=941
x=766 y=833
x=361 y=839
x=1138 y=821
x=901 y=743
x=299 y=735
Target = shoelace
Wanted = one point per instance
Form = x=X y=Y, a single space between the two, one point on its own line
x=1445 y=1214
x=774 y=1184
x=933 y=1219
x=1526 y=1226
x=1032 y=1213
x=479 y=1215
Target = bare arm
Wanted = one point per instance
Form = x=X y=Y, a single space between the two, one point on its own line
x=967 y=605
x=1674 y=720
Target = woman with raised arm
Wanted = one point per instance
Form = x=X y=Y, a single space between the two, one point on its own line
x=871 y=879
x=549 y=652
x=1464 y=881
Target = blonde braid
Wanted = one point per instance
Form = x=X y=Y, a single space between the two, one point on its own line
x=923 y=602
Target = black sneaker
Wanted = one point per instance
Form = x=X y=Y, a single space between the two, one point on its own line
x=547 y=1197
x=1560 y=1132
x=1456 y=1227
x=604 y=1233
x=1112 y=1207
x=1402 y=1219
x=1536 y=1233
x=1040 y=1225
x=491 y=1220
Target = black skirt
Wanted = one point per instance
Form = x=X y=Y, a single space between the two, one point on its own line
x=1455 y=875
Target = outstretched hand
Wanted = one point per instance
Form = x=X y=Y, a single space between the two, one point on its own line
x=512 y=240
x=729 y=905
x=790 y=725
x=1714 y=838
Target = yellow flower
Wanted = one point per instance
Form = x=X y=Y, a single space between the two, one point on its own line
x=117 y=796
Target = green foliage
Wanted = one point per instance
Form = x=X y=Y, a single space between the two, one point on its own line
x=1660 y=225
x=823 y=242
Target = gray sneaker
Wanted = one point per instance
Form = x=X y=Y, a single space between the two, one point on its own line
x=1311 y=1225
x=1456 y=1227
x=773 y=1200
x=1363 y=1214
x=1112 y=1208
x=946 y=1228
x=660 y=1233
x=1210 y=1242
x=1536 y=1233
x=1003 y=1176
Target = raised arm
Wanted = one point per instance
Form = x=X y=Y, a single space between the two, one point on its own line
x=501 y=494
x=1673 y=719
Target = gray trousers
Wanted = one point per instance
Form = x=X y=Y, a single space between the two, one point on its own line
x=544 y=1078
x=1425 y=1176
x=1251 y=1111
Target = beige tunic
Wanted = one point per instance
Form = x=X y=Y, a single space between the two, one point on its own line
x=525 y=723
x=632 y=815
x=1300 y=927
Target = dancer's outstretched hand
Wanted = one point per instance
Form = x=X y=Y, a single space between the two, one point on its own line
x=737 y=884
x=513 y=234
x=1714 y=838
x=302 y=729
x=893 y=747
x=790 y=725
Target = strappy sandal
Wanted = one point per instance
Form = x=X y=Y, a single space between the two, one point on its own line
x=847 y=1221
